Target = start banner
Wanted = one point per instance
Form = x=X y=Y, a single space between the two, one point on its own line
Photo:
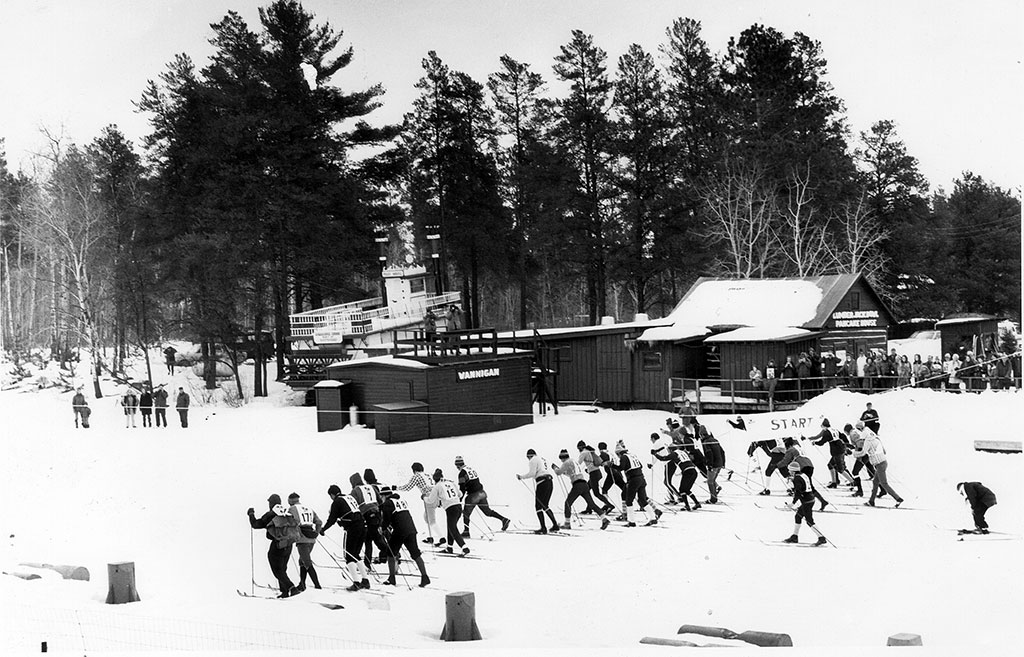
x=782 y=424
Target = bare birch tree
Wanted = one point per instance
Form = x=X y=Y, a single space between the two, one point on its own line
x=802 y=241
x=859 y=238
x=740 y=211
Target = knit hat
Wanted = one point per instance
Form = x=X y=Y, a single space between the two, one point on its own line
x=825 y=423
x=333 y=489
x=602 y=445
x=860 y=425
x=293 y=496
x=620 y=446
x=530 y=453
x=355 y=479
x=564 y=454
x=369 y=477
x=848 y=427
x=274 y=499
x=581 y=445
x=654 y=436
x=438 y=475
x=794 y=466
x=459 y=462
x=386 y=491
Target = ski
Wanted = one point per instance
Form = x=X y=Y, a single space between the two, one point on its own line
x=454 y=555
x=783 y=543
x=829 y=509
x=329 y=605
x=529 y=532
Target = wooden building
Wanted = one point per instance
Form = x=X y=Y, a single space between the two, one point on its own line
x=963 y=332
x=609 y=365
x=409 y=398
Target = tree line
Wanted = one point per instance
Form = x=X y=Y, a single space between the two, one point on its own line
x=563 y=191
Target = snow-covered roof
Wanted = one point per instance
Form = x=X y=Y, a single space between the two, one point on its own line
x=805 y=302
x=382 y=360
x=966 y=318
x=760 y=334
x=575 y=330
x=673 y=333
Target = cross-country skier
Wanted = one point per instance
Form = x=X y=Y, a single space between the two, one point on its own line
x=636 y=484
x=309 y=529
x=677 y=456
x=445 y=495
x=613 y=477
x=543 y=485
x=662 y=468
x=856 y=441
x=981 y=499
x=367 y=498
x=837 y=448
x=419 y=481
x=345 y=511
x=795 y=454
x=282 y=532
x=474 y=496
x=578 y=488
x=591 y=461
x=714 y=458
x=775 y=450
x=875 y=452
x=803 y=504
x=395 y=514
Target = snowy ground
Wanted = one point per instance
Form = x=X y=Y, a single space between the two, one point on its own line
x=173 y=501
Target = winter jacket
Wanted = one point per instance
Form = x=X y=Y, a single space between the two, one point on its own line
x=345 y=512
x=443 y=494
x=419 y=481
x=281 y=528
x=714 y=455
x=309 y=522
x=182 y=400
x=872 y=448
x=160 y=398
x=979 y=495
x=590 y=460
x=538 y=468
x=395 y=514
x=569 y=469
x=469 y=482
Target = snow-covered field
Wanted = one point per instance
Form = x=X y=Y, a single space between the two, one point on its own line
x=173 y=501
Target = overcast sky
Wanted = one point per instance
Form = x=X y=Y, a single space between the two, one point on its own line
x=948 y=73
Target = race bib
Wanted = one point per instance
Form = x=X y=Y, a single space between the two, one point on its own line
x=305 y=514
x=400 y=505
x=634 y=462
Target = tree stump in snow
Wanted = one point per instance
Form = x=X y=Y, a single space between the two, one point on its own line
x=904 y=639
x=460 y=617
x=122 y=583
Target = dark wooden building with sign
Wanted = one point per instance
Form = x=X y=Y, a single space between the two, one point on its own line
x=406 y=397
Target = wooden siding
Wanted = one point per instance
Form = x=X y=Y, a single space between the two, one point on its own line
x=852 y=341
x=508 y=393
x=859 y=298
x=737 y=357
x=375 y=384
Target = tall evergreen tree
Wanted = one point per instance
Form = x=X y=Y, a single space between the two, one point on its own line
x=583 y=132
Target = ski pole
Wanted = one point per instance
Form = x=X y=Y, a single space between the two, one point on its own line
x=252 y=563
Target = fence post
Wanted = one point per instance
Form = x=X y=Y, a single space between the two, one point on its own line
x=697 y=386
x=122 y=583
x=732 y=396
x=460 y=617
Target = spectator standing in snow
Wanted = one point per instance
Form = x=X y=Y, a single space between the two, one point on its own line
x=309 y=529
x=282 y=531
x=870 y=418
x=146 y=406
x=169 y=353
x=81 y=408
x=543 y=486
x=981 y=499
x=130 y=402
x=419 y=481
x=181 y=403
x=875 y=452
x=860 y=368
x=803 y=504
x=160 y=405
x=904 y=372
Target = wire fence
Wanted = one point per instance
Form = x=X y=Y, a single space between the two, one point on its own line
x=38 y=629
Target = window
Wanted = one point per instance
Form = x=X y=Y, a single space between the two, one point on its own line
x=564 y=352
x=651 y=361
x=854 y=300
x=417 y=285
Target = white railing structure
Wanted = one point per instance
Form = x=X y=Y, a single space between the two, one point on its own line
x=360 y=317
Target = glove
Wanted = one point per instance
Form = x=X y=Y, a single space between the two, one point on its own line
x=650 y=465
x=251 y=511
x=553 y=467
x=519 y=477
x=322 y=532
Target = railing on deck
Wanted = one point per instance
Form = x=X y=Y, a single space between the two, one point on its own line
x=352 y=319
x=738 y=395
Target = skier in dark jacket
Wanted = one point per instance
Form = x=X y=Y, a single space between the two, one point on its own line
x=282 y=531
x=395 y=515
x=714 y=457
x=636 y=483
x=803 y=504
x=837 y=448
x=981 y=499
x=345 y=512
x=474 y=496
x=368 y=499
x=776 y=451
x=613 y=477
x=688 y=472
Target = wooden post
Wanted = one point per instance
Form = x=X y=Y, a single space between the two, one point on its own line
x=122 y=583
x=904 y=639
x=732 y=396
x=460 y=617
x=697 y=381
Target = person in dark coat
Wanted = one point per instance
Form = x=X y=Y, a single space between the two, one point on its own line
x=282 y=531
x=182 y=403
x=397 y=518
x=870 y=418
x=714 y=459
x=981 y=499
x=169 y=353
x=345 y=512
x=146 y=407
x=81 y=408
x=160 y=405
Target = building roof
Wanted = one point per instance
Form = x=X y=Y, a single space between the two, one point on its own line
x=526 y=334
x=673 y=333
x=966 y=318
x=779 y=302
x=760 y=334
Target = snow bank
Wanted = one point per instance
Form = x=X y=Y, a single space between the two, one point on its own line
x=174 y=500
